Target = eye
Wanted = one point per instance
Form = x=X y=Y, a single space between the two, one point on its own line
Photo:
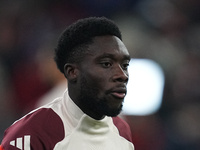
x=106 y=64
x=125 y=66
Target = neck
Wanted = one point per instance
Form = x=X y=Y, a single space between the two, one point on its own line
x=75 y=98
x=92 y=114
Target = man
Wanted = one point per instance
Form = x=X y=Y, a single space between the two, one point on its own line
x=93 y=58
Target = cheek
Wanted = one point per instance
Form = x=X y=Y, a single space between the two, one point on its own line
x=97 y=80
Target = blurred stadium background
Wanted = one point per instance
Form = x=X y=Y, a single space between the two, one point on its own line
x=165 y=31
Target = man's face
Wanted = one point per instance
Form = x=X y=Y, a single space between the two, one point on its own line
x=104 y=76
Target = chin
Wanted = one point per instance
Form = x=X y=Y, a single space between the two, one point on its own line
x=114 y=112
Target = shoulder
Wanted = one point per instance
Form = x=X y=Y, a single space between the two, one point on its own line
x=123 y=128
x=41 y=129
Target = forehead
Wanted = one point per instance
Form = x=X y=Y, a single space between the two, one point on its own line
x=108 y=46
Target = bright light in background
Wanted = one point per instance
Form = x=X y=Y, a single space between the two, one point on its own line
x=145 y=88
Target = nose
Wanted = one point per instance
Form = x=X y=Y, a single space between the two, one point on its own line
x=120 y=75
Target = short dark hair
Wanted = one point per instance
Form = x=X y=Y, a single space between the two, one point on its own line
x=74 y=40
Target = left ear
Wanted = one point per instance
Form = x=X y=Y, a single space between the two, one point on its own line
x=71 y=72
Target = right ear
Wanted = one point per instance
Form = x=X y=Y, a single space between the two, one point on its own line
x=71 y=72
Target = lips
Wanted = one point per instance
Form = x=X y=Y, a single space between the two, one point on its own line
x=119 y=93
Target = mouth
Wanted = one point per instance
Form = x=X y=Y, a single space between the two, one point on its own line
x=119 y=93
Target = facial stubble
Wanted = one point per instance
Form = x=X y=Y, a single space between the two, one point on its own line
x=90 y=99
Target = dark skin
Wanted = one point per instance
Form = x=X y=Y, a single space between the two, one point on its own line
x=98 y=84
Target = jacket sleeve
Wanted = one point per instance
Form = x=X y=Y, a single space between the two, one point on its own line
x=40 y=130
x=123 y=128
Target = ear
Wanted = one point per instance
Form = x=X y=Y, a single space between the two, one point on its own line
x=71 y=72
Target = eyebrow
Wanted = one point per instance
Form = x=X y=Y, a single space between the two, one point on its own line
x=108 y=55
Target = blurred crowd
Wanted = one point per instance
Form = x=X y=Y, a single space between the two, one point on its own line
x=166 y=31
